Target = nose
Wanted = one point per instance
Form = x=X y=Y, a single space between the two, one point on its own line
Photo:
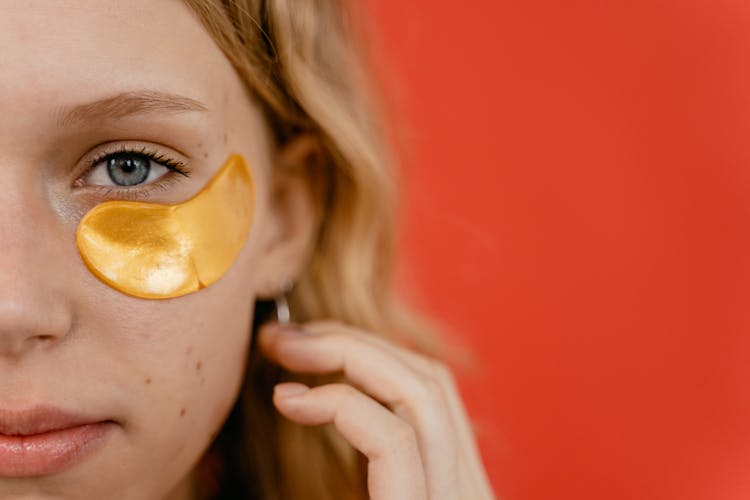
x=33 y=305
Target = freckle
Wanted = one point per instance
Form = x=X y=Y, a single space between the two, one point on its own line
x=189 y=350
x=182 y=412
x=205 y=155
x=203 y=379
x=226 y=137
x=198 y=366
x=148 y=380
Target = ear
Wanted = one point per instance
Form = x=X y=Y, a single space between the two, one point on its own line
x=298 y=189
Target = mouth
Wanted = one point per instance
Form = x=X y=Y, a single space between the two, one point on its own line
x=44 y=440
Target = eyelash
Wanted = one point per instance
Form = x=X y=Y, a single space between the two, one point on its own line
x=144 y=190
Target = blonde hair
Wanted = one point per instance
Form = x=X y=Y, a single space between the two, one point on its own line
x=303 y=62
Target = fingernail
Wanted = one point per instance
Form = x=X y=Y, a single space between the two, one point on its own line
x=290 y=389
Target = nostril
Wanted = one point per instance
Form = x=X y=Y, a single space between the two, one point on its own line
x=31 y=320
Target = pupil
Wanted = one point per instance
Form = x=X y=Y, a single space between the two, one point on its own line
x=128 y=166
x=128 y=169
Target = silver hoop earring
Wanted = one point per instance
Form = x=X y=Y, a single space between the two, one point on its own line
x=283 y=315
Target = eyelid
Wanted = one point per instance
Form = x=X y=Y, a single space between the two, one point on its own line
x=160 y=158
x=153 y=154
x=138 y=191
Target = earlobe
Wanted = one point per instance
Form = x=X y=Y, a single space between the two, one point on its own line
x=298 y=189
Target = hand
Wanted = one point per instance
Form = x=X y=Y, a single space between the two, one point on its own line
x=402 y=411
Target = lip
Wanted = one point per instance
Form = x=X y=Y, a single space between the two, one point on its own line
x=44 y=440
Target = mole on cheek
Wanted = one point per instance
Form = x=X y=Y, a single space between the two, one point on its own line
x=198 y=366
x=147 y=381
x=182 y=412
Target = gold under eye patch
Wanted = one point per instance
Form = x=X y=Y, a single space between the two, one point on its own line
x=159 y=251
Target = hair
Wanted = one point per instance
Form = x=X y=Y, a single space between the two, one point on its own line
x=304 y=62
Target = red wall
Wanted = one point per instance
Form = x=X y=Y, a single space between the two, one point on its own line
x=579 y=214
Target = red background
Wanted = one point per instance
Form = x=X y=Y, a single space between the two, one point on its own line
x=578 y=214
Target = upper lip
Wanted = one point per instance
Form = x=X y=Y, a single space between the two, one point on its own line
x=40 y=419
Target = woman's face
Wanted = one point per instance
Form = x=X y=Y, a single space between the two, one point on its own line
x=80 y=79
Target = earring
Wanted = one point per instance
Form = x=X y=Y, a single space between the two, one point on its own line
x=283 y=314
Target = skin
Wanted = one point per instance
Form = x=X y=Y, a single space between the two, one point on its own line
x=168 y=371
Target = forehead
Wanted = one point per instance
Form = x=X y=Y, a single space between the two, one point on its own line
x=70 y=51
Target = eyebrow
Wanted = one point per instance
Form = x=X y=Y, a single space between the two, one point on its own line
x=127 y=104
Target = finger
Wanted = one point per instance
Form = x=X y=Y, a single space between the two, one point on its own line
x=428 y=368
x=472 y=471
x=370 y=367
x=470 y=466
x=395 y=470
x=382 y=375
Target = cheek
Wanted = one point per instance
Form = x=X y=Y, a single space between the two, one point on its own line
x=169 y=370
x=186 y=364
x=175 y=366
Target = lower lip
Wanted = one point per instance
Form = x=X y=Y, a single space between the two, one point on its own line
x=50 y=452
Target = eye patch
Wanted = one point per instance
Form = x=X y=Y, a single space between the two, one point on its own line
x=160 y=251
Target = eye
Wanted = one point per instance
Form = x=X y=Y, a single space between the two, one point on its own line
x=129 y=168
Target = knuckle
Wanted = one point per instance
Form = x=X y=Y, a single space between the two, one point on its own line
x=436 y=367
x=425 y=395
x=431 y=390
x=422 y=397
x=441 y=372
x=402 y=435
x=438 y=377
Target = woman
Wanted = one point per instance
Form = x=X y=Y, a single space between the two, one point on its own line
x=116 y=384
